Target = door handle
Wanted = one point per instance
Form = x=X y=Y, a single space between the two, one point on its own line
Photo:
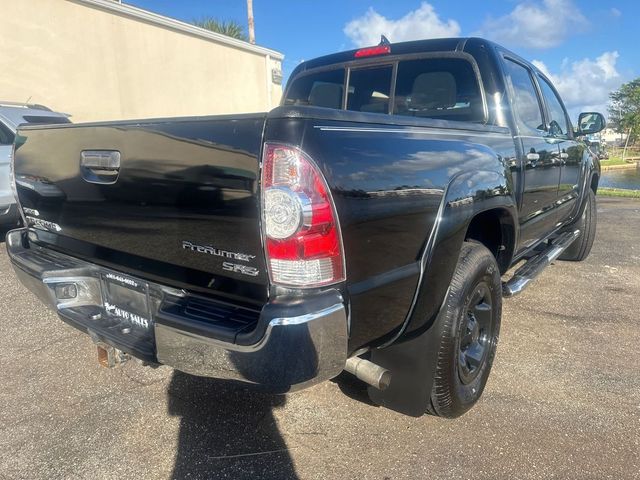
x=100 y=166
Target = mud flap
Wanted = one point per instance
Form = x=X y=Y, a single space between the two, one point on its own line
x=412 y=364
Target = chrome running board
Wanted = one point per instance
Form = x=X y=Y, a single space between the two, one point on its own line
x=535 y=265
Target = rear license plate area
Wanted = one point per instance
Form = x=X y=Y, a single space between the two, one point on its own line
x=125 y=301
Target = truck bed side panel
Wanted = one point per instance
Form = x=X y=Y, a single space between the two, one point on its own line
x=388 y=183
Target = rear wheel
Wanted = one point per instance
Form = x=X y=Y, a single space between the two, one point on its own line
x=580 y=248
x=469 y=332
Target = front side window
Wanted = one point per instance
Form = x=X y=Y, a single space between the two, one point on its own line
x=526 y=102
x=444 y=88
x=322 y=89
x=370 y=89
x=558 y=125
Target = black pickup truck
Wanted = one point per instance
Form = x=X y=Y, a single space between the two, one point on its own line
x=365 y=225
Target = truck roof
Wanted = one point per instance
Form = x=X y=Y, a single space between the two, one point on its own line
x=402 y=48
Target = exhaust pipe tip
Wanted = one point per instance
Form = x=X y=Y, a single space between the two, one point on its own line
x=370 y=373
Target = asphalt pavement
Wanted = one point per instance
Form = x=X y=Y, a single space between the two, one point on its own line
x=563 y=400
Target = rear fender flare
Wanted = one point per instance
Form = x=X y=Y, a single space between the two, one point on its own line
x=467 y=195
x=412 y=355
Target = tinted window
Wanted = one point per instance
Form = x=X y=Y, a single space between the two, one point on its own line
x=557 y=119
x=6 y=136
x=322 y=89
x=44 y=119
x=525 y=99
x=369 y=89
x=444 y=88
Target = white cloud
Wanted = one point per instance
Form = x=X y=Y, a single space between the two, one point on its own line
x=584 y=85
x=615 y=12
x=416 y=25
x=536 y=24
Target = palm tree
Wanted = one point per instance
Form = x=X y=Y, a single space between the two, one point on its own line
x=229 y=28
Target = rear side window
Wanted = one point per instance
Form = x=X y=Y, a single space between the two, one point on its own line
x=322 y=89
x=444 y=88
x=527 y=106
x=6 y=136
x=558 y=125
x=369 y=89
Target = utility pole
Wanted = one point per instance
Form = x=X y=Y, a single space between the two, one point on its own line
x=252 y=28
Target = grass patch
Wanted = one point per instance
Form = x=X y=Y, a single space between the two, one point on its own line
x=612 y=161
x=618 y=192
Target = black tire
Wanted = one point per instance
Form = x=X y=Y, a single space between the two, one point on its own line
x=580 y=248
x=468 y=333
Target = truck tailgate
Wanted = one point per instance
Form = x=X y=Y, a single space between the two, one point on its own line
x=173 y=199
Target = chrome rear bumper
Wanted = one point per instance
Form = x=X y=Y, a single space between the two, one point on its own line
x=299 y=342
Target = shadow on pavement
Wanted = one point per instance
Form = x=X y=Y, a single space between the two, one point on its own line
x=226 y=431
x=353 y=388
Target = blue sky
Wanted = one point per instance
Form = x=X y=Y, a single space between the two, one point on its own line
x=588 y=47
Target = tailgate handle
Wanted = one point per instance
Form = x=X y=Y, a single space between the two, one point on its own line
x=100 y=166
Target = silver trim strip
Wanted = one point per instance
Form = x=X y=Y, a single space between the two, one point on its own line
x=423 y=131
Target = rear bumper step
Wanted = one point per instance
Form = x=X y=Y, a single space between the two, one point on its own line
x=535 y=265
x=294 y=344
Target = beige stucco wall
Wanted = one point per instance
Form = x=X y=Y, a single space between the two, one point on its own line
x=100 y=65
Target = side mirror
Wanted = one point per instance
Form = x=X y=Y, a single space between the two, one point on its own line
x=590 y=122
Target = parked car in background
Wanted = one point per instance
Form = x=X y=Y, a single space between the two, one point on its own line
x=11 y=116
x=364 y=225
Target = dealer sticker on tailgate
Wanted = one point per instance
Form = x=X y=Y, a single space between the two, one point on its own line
x=126 y=299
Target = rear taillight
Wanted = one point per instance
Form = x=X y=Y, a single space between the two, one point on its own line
x=299 y=222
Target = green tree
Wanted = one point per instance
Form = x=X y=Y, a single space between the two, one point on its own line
x=229 y=28
x=624 y=111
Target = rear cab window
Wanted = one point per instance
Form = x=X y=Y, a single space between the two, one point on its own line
x=441 y=87
x=444 y=88
x=369 y=89
x=321 y=89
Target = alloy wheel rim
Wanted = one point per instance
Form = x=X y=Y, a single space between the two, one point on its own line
x=476 y=337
